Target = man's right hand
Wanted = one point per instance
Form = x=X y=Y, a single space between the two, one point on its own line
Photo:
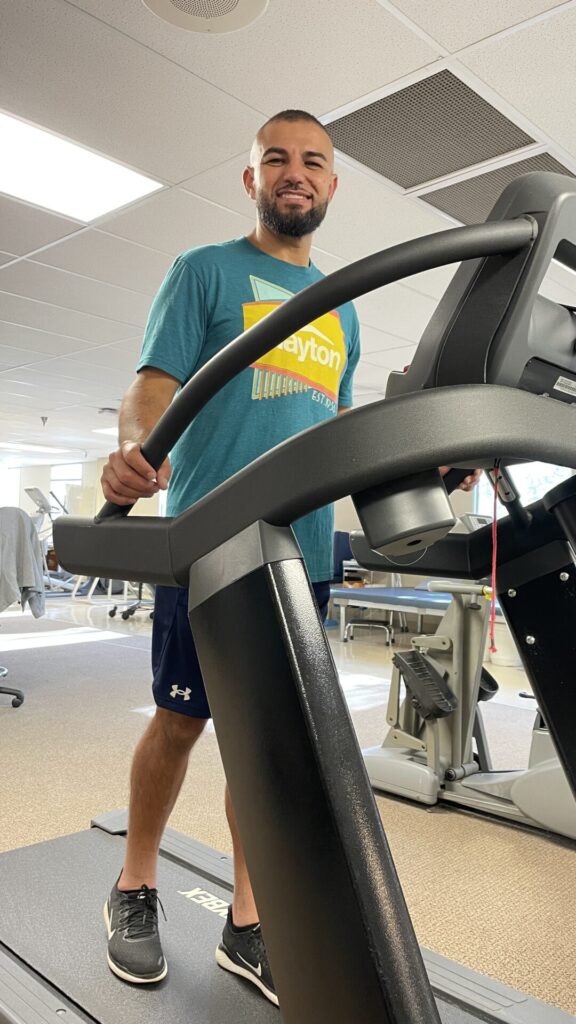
x=127 y=476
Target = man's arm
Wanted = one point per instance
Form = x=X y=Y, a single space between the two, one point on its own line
x=127 y=476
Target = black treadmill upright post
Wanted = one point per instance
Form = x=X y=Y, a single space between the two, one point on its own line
x=341 y=943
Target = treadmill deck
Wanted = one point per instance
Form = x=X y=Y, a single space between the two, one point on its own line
x=53 y=944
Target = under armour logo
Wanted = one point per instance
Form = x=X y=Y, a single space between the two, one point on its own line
x=175 y=692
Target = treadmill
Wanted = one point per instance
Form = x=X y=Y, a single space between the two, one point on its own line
x=340 y=940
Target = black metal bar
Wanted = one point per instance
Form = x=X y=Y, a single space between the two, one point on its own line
x=319 y=861
x=365 y=275
x=540 y=614
x=383 y=441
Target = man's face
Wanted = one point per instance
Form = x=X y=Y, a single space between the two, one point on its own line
x=291 y=178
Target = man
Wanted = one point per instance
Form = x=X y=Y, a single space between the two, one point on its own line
x=210 y=296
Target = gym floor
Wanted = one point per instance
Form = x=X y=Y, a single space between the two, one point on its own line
x=493 y=896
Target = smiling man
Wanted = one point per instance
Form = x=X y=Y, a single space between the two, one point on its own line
x=211 y=295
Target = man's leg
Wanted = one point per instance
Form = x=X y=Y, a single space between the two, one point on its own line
x=244 y=910
x=158 y=770
x=242 y=948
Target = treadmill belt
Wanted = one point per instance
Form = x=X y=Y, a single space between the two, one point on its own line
x=52 y=919
x=52 y=923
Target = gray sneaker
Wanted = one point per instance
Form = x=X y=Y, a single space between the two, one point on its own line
x=134 y=950
x=244 y=953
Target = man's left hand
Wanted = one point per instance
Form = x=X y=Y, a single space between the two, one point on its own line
x=469 y=482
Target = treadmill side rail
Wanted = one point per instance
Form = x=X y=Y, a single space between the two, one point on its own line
x=27 y=999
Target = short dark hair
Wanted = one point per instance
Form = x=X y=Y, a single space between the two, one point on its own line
x=293 y=115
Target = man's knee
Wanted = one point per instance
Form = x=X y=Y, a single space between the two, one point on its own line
x=179 y=730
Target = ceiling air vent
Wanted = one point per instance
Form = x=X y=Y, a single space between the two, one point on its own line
x=433 y=128
x=470 y=201
x=208 y=15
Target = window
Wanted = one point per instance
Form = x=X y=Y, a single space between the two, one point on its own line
x=533 y=480
x=62 y=477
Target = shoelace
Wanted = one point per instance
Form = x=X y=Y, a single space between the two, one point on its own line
x=139 y=916
x=256 y=943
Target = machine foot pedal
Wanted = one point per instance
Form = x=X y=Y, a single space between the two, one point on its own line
x=425 y=684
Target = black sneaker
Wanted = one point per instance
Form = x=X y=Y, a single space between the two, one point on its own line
x=134 y=950
x=244 y=953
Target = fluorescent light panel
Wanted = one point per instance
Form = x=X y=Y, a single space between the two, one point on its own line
x=43 y=169
x=12 y=446
x=111 y=431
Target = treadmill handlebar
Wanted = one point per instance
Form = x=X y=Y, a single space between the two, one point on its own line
x=375 y=271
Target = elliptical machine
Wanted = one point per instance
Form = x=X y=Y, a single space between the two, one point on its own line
x=436 y=748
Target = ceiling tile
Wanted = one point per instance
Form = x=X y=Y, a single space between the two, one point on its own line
x=373 y=340
x=15 y=382
x=365 y=217
x=109 y=259
x=343 y=50
x=396 y=310
x=392 y=359
x=224 y=185
x=365 y=396
x=75 y=75
x=455 y=24
x=432 y=282
x=175 y=221
x=93 y=375
x=532 y=69
x=24 y=228
x=34 y=281
x=81 y=327
x=373 y=377
x=25 y=339
x=6 y=257
x=123 y=355
x=11 y=357
x=326 y=262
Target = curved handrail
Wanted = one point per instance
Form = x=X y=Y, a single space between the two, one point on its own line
x=365 y=275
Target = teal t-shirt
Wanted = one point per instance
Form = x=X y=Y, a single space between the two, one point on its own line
x=210 y=296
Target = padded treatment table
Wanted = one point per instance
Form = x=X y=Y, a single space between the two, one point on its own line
x=417 y=600
x=390 y=599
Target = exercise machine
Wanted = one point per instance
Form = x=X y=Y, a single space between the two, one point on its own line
x=340 y=940
x=436 y=747
x=55 y=580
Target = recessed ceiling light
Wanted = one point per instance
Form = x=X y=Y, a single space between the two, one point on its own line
x=48 y=171
x=208 y=15
x=11 y=446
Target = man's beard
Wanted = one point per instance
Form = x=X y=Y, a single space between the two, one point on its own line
x=294 y=224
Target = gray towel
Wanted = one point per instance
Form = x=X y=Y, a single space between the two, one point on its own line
x=21 y=568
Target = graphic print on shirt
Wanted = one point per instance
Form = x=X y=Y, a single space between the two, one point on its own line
x=313 y=358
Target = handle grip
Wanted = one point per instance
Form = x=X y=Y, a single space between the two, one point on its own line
x=154 y=456
x=454 y=478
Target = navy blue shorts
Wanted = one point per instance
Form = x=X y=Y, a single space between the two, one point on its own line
x=178 y=684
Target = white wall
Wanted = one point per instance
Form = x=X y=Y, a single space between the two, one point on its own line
x=9 y=487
